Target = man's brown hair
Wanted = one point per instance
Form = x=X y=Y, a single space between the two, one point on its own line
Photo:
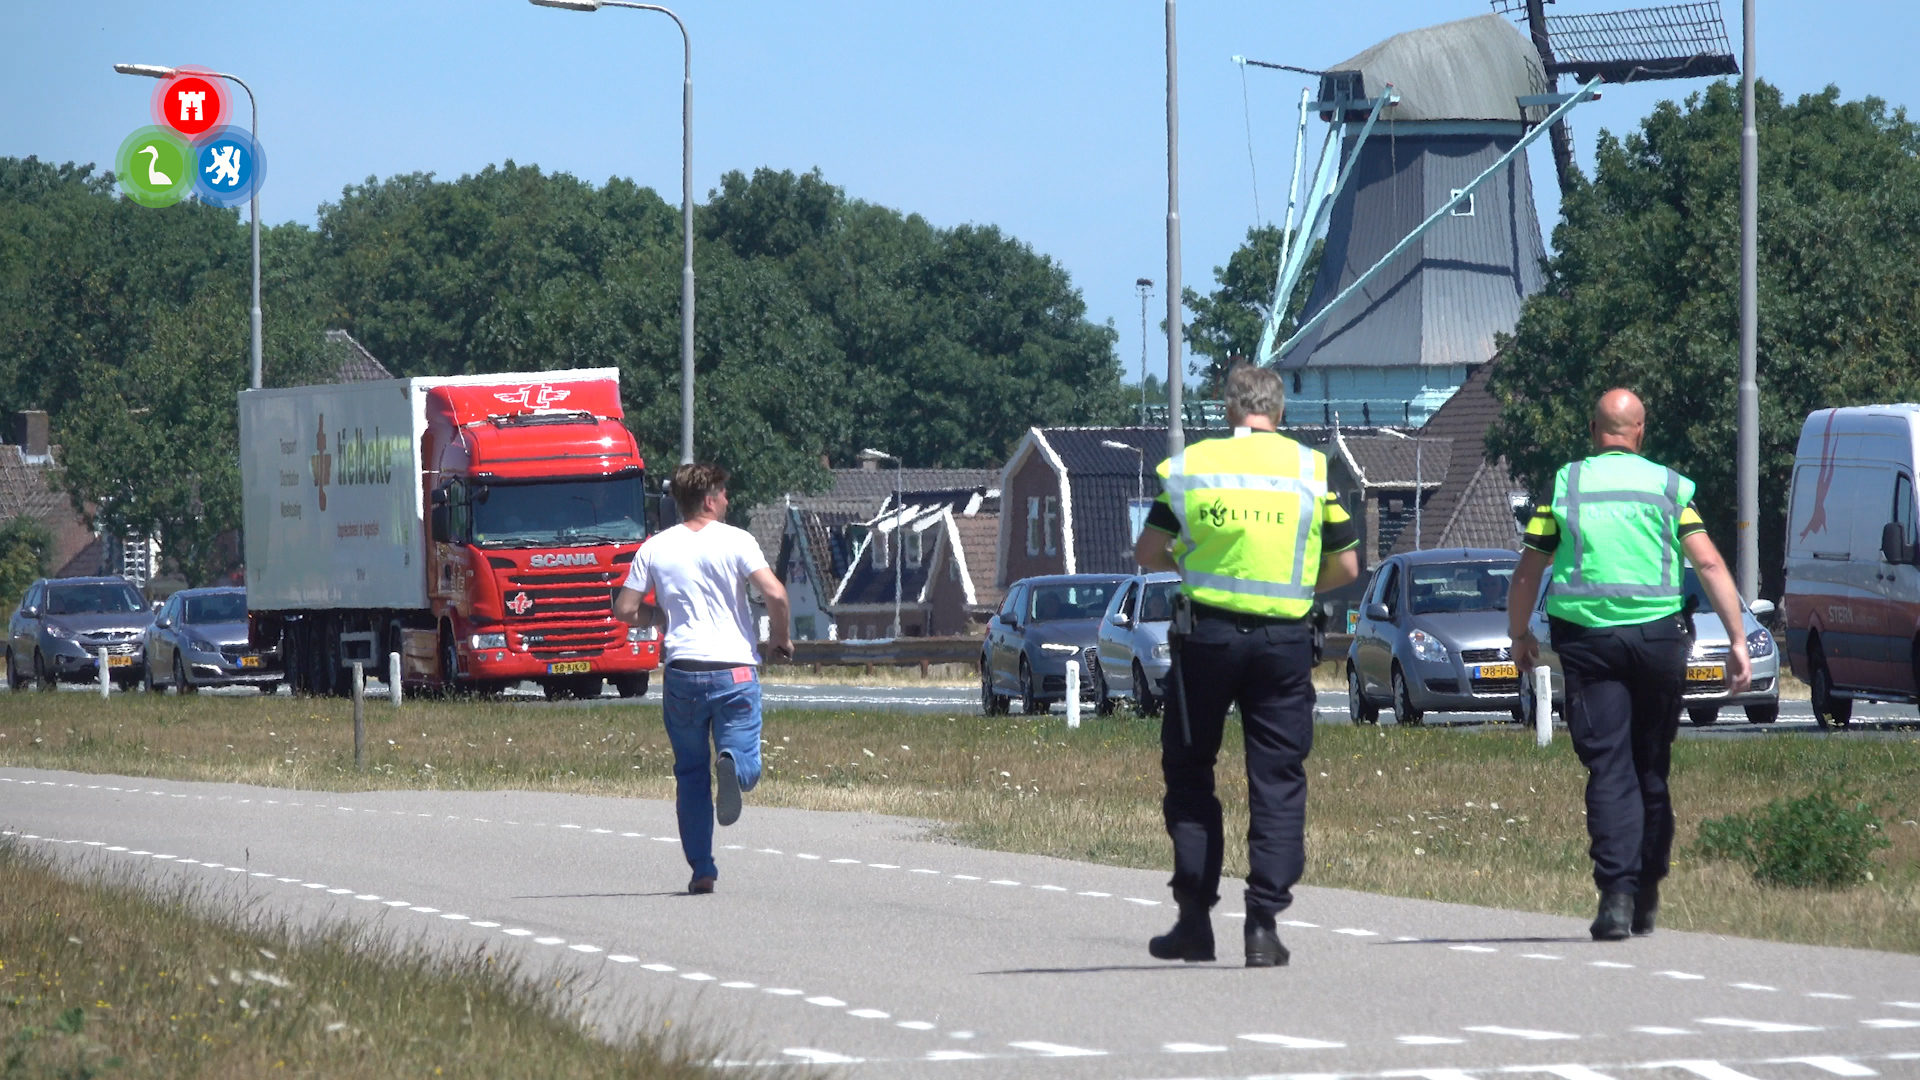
x=692 y=483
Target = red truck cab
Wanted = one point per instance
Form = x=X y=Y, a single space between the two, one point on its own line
x=536 y=498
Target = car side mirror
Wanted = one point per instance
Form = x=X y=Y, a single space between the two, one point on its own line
x=1379 y=613
x=163 y=623
x=1761 y=608
x=1120 y=619
x=1893 y=544
x=31 y=612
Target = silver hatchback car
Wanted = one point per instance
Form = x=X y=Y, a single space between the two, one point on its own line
x=1133 y=657
x=1432 y=637
x=199 y=638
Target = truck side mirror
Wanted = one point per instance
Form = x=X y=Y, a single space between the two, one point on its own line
x=1379 y=613
x=440 y=496
x=1893 y=544
x=442 y=520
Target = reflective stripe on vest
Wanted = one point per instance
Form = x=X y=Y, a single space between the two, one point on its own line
x=1667 y=501
x=1310 y=490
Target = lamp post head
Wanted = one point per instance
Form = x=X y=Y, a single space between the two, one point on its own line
x=870 y=454
x=1144 y=283
x=570 y=5
x=151 y=71
x=1115 y=445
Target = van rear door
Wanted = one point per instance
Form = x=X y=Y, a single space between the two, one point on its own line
x=1900 y=599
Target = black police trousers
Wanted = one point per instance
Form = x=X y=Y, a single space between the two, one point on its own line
x=1624 y=686
x=1267 y=669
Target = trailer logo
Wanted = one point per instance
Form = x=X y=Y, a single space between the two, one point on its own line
x=540 y=397
x=587 y=558
x=520 y=604
x=322 y=461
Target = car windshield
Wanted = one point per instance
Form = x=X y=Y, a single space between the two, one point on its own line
x=1694 y=594
x=1466 y=586
x=1157 y=605
x=97 y=599
x=1080 y=600
x=216 y=608
x=559 y=512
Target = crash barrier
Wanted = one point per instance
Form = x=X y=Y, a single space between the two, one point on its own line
x=922 y=652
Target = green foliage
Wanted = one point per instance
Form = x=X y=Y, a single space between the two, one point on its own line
x=1227 y=322
x=1644 y=292
x=24 y=546
x=1824 y=839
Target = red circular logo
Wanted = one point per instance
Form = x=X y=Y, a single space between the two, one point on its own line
x=191 y=105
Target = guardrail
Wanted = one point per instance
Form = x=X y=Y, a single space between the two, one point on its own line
x=892 y=652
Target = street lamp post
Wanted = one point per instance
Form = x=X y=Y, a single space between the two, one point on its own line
x=1747 y=452
x=899 y=512
x=1419 y=486
x=1145 y=287
x=155 y=71
x=1176 y=378
x=686 y=206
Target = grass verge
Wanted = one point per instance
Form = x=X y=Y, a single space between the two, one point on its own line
x=98 y=978
x=1472 y=817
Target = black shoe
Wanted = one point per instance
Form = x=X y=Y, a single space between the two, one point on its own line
x=700 y=885
x=1646 y=904
x=1615 y=919
x=1191 y=938
x=726 y=785
x=1263 y=943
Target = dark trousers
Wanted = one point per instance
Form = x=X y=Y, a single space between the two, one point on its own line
x=1267 y=670
x=1624 y=685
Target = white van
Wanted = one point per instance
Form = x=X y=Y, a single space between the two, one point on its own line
x=1852 y=601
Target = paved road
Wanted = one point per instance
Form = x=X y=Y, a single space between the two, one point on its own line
x=853 y=941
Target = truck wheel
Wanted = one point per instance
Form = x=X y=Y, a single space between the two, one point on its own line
x=1831 y=712
x=631 y=686
x=449 y=663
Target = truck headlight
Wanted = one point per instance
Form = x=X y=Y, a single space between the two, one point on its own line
x=490 y=641
x=1759 y=644
x=643 y=633
x=1426 y=646
x=1163 y=651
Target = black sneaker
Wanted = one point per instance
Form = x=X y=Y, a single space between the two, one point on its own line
x=726 y=784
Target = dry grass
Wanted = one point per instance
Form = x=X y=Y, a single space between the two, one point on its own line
x=1476 y=817
x=856 y=675
x=101 y=977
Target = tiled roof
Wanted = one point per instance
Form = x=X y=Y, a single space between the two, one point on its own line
x=1384 y=461
x=1464 y=420
x=357 y=365
x=979 y=535
x=1484 y=518
x=877 y=485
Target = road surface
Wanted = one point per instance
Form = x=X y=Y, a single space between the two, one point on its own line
x=854 y=942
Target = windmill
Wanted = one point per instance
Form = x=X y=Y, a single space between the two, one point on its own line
x=1423 y=195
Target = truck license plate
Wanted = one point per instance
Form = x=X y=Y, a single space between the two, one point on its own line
x=119 y=661
x=249 y=661
x=1496 y=671
x=1707 y=673
x=570 y=667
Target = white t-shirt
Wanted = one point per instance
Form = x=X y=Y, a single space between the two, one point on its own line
x=699 y=578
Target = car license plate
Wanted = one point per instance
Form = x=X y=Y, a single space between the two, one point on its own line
x=249 y=661
x=570 y=667
x=1707 y=673
x=1496 y=671
x=119 y=661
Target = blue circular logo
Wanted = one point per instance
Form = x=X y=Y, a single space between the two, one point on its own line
x=229 y=168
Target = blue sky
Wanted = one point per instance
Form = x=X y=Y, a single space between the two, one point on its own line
x=1044 y=118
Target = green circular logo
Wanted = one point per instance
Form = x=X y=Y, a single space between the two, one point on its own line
x=155 y=167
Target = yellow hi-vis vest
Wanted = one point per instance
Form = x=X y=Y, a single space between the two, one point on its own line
x=1249 y=512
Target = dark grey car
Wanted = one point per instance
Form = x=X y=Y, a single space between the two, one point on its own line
x=1045 y=623
x=1432 y=637
x=61 y=625
x=199 y=638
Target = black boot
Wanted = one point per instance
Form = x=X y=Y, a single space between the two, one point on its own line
x=1646 y=904
x=1191 y=938
x=1615 y=919
x=1263 y=942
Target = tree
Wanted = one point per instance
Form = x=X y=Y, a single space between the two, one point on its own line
x=1227 y=322
x=24 y=546
x=1644 y=293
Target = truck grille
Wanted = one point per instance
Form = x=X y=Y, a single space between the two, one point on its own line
x=562 y=642
x=535 y=596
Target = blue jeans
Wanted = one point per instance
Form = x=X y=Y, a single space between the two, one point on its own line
x=703 y=707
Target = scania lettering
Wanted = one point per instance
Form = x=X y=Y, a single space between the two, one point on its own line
x=476 y=525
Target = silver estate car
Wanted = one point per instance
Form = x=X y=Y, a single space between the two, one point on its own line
x=199 y=638
x=1133 y=659
x=1432 y=637
x=1706 y=692
x=62 y=624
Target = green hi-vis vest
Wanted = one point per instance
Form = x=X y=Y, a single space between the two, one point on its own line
x=1249 y=511
x=1618 y=561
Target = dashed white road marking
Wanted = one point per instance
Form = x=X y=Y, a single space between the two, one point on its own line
x=1651 y=1030
x=1830 y=997
x=1679 y=975
x=1530 y=1034
x=827 y=1002
x=1837 y=1066
x=1192 y=1048
x=1763 y=1027
x=1892 y=1023
x=1565 y=1072
x=1471 y=948
x=915 y=1025
x=1048 y=1049
x=868 y=1014
x=1354 y=932
x=1428 y=1040
x=1608 y=964
x=1709 y=1070
x=1540 y=956
x=1291 y=1042
x=953 y=1055
x=1755 y=986
x=820 y=1057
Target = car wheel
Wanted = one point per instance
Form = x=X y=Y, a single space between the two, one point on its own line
x=1703 y=715
x=1832 y=713
x=14 y=681
x=1763 y=714
x=1102 y=699
x=1029 y=703
x=180 y=676
x=991 y=704
x=1144 y=698
x=146 y=674
x=631 y=686
x=1359 y=709
x=41 y=680
x=1403 y=711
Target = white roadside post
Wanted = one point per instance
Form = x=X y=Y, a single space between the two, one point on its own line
x=393 y=678
x=106 y=674
x=1542 y=705
x=1073 y=693
x=359 y=717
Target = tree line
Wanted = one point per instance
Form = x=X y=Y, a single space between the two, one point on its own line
x=826 y=324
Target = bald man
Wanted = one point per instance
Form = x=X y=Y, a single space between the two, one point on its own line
x=1612 y=536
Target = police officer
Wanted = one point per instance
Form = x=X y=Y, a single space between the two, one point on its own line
x=1254 y=533
x=1614 y=533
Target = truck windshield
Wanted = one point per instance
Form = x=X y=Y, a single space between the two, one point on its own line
x=559 y=512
